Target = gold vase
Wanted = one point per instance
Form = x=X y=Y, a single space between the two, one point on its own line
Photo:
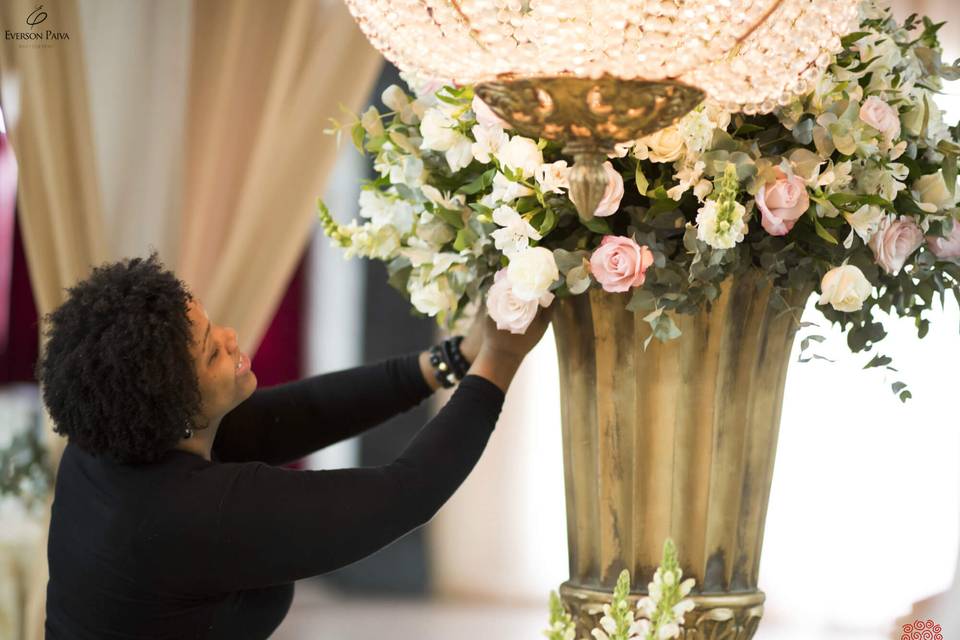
x=676 y=440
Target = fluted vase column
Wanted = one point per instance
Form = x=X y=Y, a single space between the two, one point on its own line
x=678 y=440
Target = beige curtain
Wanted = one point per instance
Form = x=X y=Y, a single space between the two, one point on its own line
x=44 y=98
x=260 y=98
x=193 y=128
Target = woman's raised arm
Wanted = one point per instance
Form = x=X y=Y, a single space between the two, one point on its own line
x=289 y=421
x=278 y=525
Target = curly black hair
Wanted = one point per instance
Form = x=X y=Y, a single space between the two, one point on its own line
x=117 y=374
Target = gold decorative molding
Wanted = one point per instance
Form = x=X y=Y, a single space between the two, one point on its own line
x=589 y=115
x=715 y=617
x=603 y=110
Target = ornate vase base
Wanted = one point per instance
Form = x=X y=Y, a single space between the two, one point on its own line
x=727 y=616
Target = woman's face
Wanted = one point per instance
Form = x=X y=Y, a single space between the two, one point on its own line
x=223 y=371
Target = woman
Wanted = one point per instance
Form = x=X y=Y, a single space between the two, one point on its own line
x=170 y=519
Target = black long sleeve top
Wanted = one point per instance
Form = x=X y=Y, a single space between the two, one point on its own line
x=191 y=548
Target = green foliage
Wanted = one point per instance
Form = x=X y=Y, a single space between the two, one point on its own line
x=24 y=470
x=561 y=625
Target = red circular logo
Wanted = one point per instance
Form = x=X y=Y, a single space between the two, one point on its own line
x=922 y=630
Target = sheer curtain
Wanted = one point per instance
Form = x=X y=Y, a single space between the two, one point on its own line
x=194 y=128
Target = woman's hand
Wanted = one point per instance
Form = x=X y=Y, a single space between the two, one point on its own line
x=502 y=352
x=517 y=344
x=473 y=340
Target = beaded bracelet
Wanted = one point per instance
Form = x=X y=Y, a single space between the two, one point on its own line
x=449 y=364
x=455 y=357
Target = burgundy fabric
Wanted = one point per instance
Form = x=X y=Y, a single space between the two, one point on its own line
x=8 y=203
x=278 y=358
x=18 y=356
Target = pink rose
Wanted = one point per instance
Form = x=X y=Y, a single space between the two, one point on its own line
x=612 y=195
x=619 y=263
x=881 y=116
x=896 y=238
x=509 y=311
x=781 y=203
x=948 y=247
x=485 y=115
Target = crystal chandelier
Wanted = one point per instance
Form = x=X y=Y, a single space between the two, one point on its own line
x=592 y=73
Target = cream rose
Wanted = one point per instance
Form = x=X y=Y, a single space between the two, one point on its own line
x=781 y=203
x=666 y=145
x=438 y=131
x=845 y=288
x=433 y=297
x=521 y=154
x=896 y=238
x=531 y=273
x=946 y=247
x=507 y=310
x=619 y=263
x=931 y=190
x=881 y=116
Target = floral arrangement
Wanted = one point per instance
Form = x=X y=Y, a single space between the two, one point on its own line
x=848 y=189
x=660 y=613
x=25 y=474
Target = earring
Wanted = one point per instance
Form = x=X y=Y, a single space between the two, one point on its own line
x=188 y=432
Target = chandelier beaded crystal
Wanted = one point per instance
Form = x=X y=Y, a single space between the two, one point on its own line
x=592 y=73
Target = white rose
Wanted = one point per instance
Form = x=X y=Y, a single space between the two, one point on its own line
x=665 y=145
x=881 y=116
x=507 y=310
x=521 y=154
x=437 y=129
x=931 y=190
x=845 y=288
x=531 y=273
x=433 y=297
